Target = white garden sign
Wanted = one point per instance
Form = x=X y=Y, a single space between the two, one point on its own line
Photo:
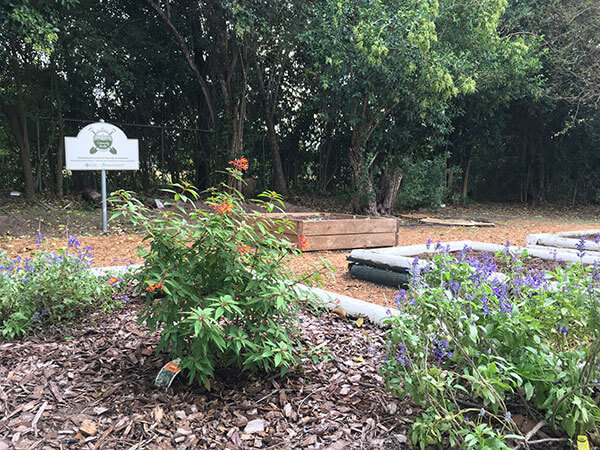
x=101 y=146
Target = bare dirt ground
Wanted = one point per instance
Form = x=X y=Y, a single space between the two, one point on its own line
x=20 y=221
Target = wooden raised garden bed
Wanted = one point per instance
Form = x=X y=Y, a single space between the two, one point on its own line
x=324 y=231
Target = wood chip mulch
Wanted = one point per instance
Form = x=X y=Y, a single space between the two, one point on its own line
x=92 y=387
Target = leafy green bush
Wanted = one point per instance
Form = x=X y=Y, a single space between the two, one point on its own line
x=422 y=182
x=216 y=286
x=47 y=288
x=473 y=348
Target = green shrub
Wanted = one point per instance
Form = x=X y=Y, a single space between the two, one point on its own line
x=423 y=182
x=47 y=288
x=469 y=346
x=216 y=285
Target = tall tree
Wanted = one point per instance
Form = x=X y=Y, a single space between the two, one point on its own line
x=276 y=33
x=220 y=66
x=28 y=33
x=386 y=56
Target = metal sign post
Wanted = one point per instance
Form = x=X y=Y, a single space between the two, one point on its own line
x=101 y=146
x=104 y=209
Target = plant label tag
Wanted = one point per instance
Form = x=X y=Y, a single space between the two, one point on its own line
x=582 y=443
x=168 y=373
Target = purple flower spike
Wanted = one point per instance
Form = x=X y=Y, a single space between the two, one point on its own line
x=73 y=242
x=580 y=246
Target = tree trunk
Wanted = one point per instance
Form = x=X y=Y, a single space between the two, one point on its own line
x=278 y=176
x=364 y=199
x=528 y=180
x=269 y=99
x=389 y=190
x=60 y=153
x=200 y=157
x=465 y=186
x=540 y=197
x=18 y=125
x=190 y=59
x=362 y=175
x=449 y=181
x=325 y=150
x=237 y=115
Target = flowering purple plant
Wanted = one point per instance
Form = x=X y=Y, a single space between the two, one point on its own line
x=468 y=331
x=47 y=288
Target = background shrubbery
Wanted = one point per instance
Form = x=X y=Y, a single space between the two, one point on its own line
x=423 y=183
x=323 y=96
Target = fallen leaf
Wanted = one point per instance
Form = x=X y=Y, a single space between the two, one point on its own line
x=158 y=413
x=255 y=426
x=310 y=440
x=186 y=431
x=339 y=311
x=88 y=428
x=99 y=410
x=287 y=410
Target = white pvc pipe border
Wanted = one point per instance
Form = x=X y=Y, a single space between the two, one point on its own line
x=404 y=256
x=564 y=239
x=353 y=306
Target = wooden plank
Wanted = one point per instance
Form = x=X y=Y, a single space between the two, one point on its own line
x=301 y=215
x=413 y=216
x=456 y=222
x=348 y=226
x=349 y=241
x=324 y=226
x=332 y=216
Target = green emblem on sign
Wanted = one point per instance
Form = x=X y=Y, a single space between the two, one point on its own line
x=103 y=142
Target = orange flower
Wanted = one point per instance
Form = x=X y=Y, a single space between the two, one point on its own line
x=113 y=280
x=223 y=208
x=242 y=248
x=155 y=287
x=302 y=242
x=240 y=163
